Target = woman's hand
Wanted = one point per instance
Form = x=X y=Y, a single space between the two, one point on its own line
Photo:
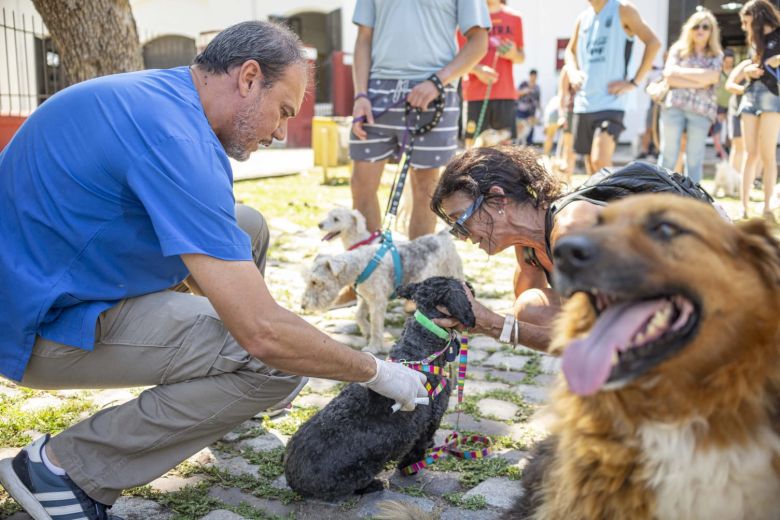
x=754 y=71
x=481 y=314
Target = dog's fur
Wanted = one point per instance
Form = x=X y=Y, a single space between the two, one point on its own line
x=687 y=425
x=347 y=224
x=345 y=445
x=492 y=137
x=727 y=181
x=426 y=256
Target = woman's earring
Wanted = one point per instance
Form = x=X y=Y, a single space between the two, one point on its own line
x=500 y=211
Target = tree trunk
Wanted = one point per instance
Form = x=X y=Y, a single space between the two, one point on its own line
x=93 y=37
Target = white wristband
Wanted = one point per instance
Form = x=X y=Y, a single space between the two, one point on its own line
x=506 y=332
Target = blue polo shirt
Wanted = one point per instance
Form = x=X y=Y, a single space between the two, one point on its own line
x=101 y=190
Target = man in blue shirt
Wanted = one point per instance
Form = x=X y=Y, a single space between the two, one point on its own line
x=113 y=191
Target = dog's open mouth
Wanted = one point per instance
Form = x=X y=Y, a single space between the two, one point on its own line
x=628 y=338
x=331 y=235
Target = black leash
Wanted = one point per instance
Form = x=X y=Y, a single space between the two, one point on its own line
x=407 y=148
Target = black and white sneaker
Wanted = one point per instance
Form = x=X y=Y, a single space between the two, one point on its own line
x=44 y=495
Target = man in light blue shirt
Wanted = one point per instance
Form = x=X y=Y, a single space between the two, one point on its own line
x=597 y=61
x=404 y=48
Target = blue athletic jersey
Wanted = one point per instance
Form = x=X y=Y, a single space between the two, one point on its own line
x=603 y=53
x=101 y=190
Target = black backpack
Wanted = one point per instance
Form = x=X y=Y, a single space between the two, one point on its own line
x=608 y=185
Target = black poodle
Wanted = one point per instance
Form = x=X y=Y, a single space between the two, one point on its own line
x=342 y=448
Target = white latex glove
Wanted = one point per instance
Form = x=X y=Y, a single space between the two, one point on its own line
x=401 y=384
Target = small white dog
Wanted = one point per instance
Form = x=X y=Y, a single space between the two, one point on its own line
x=347 y=224
x=727 y=180
x=426 y=256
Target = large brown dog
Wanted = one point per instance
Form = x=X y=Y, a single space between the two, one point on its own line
x=671 y=352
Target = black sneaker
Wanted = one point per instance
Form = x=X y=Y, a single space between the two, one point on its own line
x=44 y=495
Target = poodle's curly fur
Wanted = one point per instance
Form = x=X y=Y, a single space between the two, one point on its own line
x=345 y=445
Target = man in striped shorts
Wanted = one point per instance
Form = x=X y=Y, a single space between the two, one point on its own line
x=404 y=49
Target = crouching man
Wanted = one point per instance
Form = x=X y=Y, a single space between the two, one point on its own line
x=113 y=191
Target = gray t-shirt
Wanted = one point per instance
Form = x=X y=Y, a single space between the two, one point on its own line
x=412 y=39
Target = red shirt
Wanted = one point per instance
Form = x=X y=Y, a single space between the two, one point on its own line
x=506 y=25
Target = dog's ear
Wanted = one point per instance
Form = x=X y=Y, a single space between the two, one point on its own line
x=459 y=306
x=335 y=265
x=406 y=291
x=759 y=245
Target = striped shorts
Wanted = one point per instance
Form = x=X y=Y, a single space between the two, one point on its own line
x=388 y=133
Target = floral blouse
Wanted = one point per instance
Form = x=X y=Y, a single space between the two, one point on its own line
x=697 y=100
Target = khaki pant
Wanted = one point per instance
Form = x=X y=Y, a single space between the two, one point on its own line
x=206 y=384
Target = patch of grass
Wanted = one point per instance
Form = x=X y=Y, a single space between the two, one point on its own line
x=8 y=505
x=469 y=405
x=473 y=503
x=350 y=504
x=14 y=422
x=186 y=503
x=474 y=471
x=294 y=419
x=413 y=491
x=247 y=511
x=270 y=462
x=532 y=368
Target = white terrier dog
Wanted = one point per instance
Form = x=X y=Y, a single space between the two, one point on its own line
x=727 y=180
x=347 y=224
x=426 y=256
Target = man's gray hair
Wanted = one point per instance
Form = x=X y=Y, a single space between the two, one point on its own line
x=274 y=46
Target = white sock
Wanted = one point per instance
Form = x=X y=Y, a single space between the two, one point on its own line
x=50 y=465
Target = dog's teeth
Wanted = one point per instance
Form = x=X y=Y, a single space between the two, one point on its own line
x=639 y=338
x=615 y=358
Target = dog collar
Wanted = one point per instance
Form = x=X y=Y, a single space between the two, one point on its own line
x=426 y=322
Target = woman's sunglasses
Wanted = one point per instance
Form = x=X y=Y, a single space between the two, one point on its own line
x=702 y=26
x=458 y=229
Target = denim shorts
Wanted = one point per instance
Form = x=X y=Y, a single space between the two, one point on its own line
x=757 y=99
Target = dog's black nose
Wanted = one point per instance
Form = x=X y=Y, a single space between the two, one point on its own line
x=574 y=252
x=320 y=225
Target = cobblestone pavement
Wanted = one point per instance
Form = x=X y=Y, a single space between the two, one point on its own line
x=241 y=476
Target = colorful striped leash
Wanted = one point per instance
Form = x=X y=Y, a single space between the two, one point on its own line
x=453 y=442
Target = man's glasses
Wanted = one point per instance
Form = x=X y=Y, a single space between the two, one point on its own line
x=458 y=229
x=702 y=26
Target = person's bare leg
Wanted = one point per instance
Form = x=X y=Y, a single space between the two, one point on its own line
x=366 y=177
x=601 y=151
x=423 y=220
x=588 y=164
x=737 y=153
x=568 y=153
x=679 y=165
x=549 y=137
x=749 y=124
x=768 y=128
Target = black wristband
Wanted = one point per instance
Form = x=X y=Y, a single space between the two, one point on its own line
x=360 y=95
x=633 y=82
x=433 y=78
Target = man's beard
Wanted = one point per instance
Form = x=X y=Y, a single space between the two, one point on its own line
x=244 y=132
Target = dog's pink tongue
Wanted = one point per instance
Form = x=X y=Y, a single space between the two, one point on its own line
x=330 y=235
x=587 y=362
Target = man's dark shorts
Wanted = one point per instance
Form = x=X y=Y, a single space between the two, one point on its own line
x=499 y=115
x=586 y=125
x=389 y=134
